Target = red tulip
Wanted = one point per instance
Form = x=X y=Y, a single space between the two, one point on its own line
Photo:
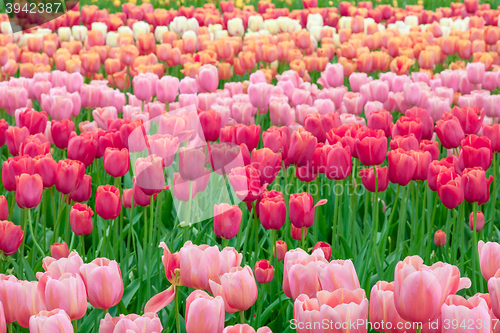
x=109 y=139
x=436 y=167
x=470 y=119
x=29 y=190
x=281 y=249
x=61 y=132
x=371 y=147
x=326 y=248
x=249 y=135
x=69 y=175
x=423 y=159
x=425 y=119
x=17 y=166
x=15 y=136
x=59 y=250
x=479 y=221
x=132 y=136
x=450 y=188
x=368 y=178
x=381 y=120
x=297 y=233
x=4 y=125
x=402 y=166
x=406 y=125
x=11 y=237
x=46 y=167
x=338 y=162
x=430 y=146
x=245 y=182
x=313 y=124
x=83 y=147
x=107 y=202
x=302 y=209
x=83 y=191
x=492 y=132
x=116 y=162
x=440 y=238
x=226 y=156
x=302 y=145
x=4 y=208
x=35 y=145
x=140 y=198
x=476 y=152
x=449 y=131
x=210 y=121
x=264 y=271
x=405 y=142
x=277 y=139
x=345 y=134
x=227 y=220
x=476 y=186
x=35 y=121
x=272 y=210
x=80 y=218
x=267 y=164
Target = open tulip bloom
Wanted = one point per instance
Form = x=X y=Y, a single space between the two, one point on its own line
x=249 y=166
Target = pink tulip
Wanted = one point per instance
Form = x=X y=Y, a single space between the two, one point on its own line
x=229 y=258
x=344 y=307
x=489 y=258
x=204 y=313
x=147 y=323
x=227 y=220
x=67 y=293
x=208 y=78
x=333 y=76
x=412 y=93
x=301 y=273
x=30 y=301
x=55 y=321
x=167 y=89
x=198 y=265
x=306 y=315
x=353 y=103
x=382 y=308
x=57 y=268
x=458 y=309
x=356 y=80
x=238 y=289
x=103 y=281
x=475 y=72
x=259 y=94
x=338 y=274
x=8 y=297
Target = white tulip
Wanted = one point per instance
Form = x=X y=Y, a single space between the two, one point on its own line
x=315 y=31
x=411 y=20
x=192 y=24
x=381 y=27
x=345 y=22
x=221 y=34
x=314 y=19
x=179 y=25
x=140 y=28
x=190 y=33
x=213 y=28
x=255 y=23
x=336 y=40
x=101 y=27
x=367 y=22
x=125 y=30
x=79 y=32
x=6 y=28
x=112 y=39
x=446 y=22
x=446 y=31
x=159 y=31
x=272 y=26
x=42 y=32
x=64 y=34
x=235 y=27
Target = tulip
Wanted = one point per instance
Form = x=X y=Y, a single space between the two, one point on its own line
x=456 y=309
x=326 y=248
x=208 y=78
x=14 y=137
x=488 y=258
x=306 y=314
x=333 y=76
x=476 y=186
x=440 y=238
x=353 y=103
x=35 y=121
x=281 y=249
x=266 y=163
x=116 y=162
x=82 y=148
x=56 y=321
x=204 y=313
x=343 y=306
x=475 y=72
x=4 y=125
x=69 y=175
x=382 y=308
x=143 y=87
x=302 y=209
x=264 y=271
x=191 y=163
x=260 y=94
x=470 y=119
x=406 y=142
x=492 y=132
x=368 y=179
x=29 y=190
x=198 y=265
x=46 y=167
x=450 y=132
x=249 y=135
x=402 y=166
x=236 y=299
x=80 y=218
x=103 y=282
x=58 y=250
x=436 y=167
x=167 y=89
x=11 y=237
x=277 y=139
x=14 y=167
x=272 y=210
x=338 y=162
x=83 y=191
x=34 y=145
x=450 y=188
x=4 y=208
x=476 y=152
x=107 y=202
x=227 y=220
x=302 y=144
x=371 y=147
x=211 y=124
x=149 y=172
x=380 y=120
x=479 y=221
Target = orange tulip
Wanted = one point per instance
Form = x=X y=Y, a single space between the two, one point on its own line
x=479 y=46
x=299 y=66
x=347 y=50
x=426 y=59
x=146 y=43
x=381 y=61
x=401 y=65
x=224 y=70
x=269 y=53
x=310 y=63
x=449 y=45
x=464 y=49
x=302 y=39
x=294 y=54
x=321 y=63
x=348 y=65
x=364 y=63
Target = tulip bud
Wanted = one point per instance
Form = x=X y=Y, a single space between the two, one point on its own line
x=302 y=209
x=264 y=271
x=116 y=162
x=479 y=221
x=281 y=249
x=440 y=238
x=29 y=190
x=325 y=247
x=227 y=220
x=272 y=210
x=80 y=218
x=12 y=237
x=298 y=233
x=59 y=250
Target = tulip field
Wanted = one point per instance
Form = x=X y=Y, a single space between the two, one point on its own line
x=250 y=167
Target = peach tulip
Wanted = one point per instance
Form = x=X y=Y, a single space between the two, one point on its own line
x=55 y=321
x=238 y=289
x=103 y=281
x=198 y=265
x=204 y=313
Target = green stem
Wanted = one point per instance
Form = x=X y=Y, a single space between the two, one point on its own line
x=475 y=254
x=494 y=195
x=9 y=327
x=177 y=315
x=304 y=233
x=33 y=235
x=72 y=241
x=75 y=326
x=378 y=263
x=151 y=227
x=402 y=221
x=242 y=317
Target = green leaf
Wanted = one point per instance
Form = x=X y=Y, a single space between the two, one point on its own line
x=89 y=322
x=130 y=292
x=29 y=272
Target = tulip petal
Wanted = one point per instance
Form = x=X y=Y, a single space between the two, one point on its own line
x=320 y=203
x=159 y=301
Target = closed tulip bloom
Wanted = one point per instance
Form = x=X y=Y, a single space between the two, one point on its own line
x=107 y=202
x=191 y=163
x=264 y=271
x=249 y=135
x=266 y=163
x=46 y=167
x=280 y=113
x=475 y=72
x=272 y=210
x=35 y=145
x=436 y=167
x=368 y=178
x=338 y=162
x=476 y=152
x=29 y=190
x=14 y=167
x=245 y=182
x=83 y=147
x=440 y=238
x=260 y=94
x=236 y=298
x=402 y=166
x=116 y=162
x=380 y=120
x=306 y=313
x=30 y=301
x=14 y=137
x=450 y=132
x=227 y=220
x=210 y=121
x=80 y=218
x=11 y=237
x=8 y=296
x=456 y=309
x=67 y=293
x=471 y=119
x=450 y=188
x=167 y=89
x=326 y=248
x=204 y=313
x=333 y=76
x=423 y=160
x=492 y=132
x=143 y=87
x=56 y=321
x=302 y=209
x=432 y=147
x=343 y=306
x=4 y=125
x=479 y=221
x=150 y=176
x=476 y=186
x=277 y=139
x=4 y=208
x=69 y=175
x=406 y=125
x=59 y=250
x=208 y=78
x=35 y=121
x=405 y=142
x=382 y=308
x=371 y=147
x=83 y=191
x=302 y=145
x=198 y=265
x=281 y=249
x=103 y=282
x=353 y=103
x=489 y=253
